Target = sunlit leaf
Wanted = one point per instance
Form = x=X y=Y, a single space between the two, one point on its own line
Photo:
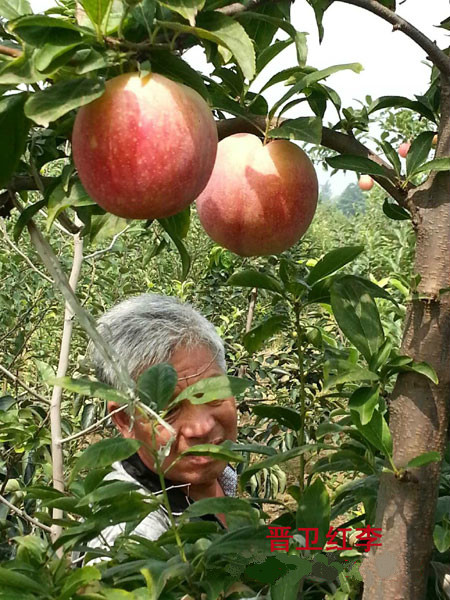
x=307 y=129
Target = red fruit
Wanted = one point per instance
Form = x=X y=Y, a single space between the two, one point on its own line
x=404 y=149
x=146 y=148
x=365 y=183
x=260 y=199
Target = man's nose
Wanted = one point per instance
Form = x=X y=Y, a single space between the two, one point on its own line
x=197 y=421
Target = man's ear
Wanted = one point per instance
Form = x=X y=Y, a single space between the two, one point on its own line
x=121 y=420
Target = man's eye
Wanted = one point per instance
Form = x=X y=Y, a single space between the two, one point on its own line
x=215 y=403
x=171 y=415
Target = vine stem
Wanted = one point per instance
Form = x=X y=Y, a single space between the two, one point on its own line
x=300 y=355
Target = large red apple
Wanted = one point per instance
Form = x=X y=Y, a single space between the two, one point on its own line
x=403 y=149
x=365 y=183
x=146 y=148
x=260 y=199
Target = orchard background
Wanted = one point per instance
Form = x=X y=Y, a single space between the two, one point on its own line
x=345 y=337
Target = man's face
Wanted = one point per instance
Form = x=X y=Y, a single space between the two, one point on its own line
x=208 y=423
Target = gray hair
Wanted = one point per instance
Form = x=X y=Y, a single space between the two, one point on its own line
x=147 y=329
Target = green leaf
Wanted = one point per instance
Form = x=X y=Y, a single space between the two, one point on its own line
x=342 y=461
x=278 y=459
x=420 y=149
x=393 y=211
x=313 y=511
x=311 y=78
x=52 y=56
x=93 y=389
x=349 y=373
x=252 y=278
x=216 y=451
x=87 y=60
x=20 y=70
x=288 y=417
x=104 y=454
x=176 y=227
x=307 y=129
x=13 y=9
x=423 y=459
x=108 y=492
x=298 y=37
x=54 y=102
x=96 y=10
x=437 y=164
x=239 y=513
x=156 y=385
x=269 y=53
x=401 y=102
x=224 y=31
x=213 y=388
x=59 y=200
x=16 y=580
x=39 y=30
x=364 y=401
x=14 y=127
x=319 y=7
x=441 y=537
x=375 y=431
x=26 y=216
x=78 y=578
x=6 y=402
x=255 y=338
x=424 y=369
x=357 y=315
x=332 y=261
x=186 y=8
x=392 y=155
x=176 y=68
x=361 y=164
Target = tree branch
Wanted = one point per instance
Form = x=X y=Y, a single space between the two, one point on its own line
x=238 y=7
x=8 y=51
x=93 y=426
x=24 y=515
x=434 y=53
x=22 y=384
x=334 y=140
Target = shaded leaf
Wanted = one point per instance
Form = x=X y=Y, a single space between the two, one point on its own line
x=177 y=227
x=176 y=68
x=14 y=127
x=393 y=211
x=13 y=9
x=284 y=415
x=96 y=10
x=401 y=102
x=216 y=451
x=105 y=453
x=376 y=431
x=307 y=129
x=59 y=200
x=364 y=401
x=255 y=338
x=313 y=511
x=186 y=8
x=93 y=389
x=361 y=164
x=156 y=385
x=252 y=278
x=213 y=388
x=25 y=216
x=418 y=152
x=78 y=578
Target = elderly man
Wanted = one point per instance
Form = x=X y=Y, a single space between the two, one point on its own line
x=151 y=329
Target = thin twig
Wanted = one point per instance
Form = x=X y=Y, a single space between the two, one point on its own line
x=110 y=247
x=7 y=51
x=22 y=384
x=24 y=515
x=19 y=251
x=93 y=426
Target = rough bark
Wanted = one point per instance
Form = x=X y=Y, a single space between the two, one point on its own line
x=419 y=411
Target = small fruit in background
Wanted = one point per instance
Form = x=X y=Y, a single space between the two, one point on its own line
x=403 y=149
x=260 y=199
x=146 y=148
x=365 y=183
x=435 y=140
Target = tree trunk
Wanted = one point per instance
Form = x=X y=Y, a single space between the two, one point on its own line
x=419 y=411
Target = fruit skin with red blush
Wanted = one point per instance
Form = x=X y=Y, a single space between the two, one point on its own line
x=403 y=149
x=260 y=199
x=365 y=183
x=146 y=148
